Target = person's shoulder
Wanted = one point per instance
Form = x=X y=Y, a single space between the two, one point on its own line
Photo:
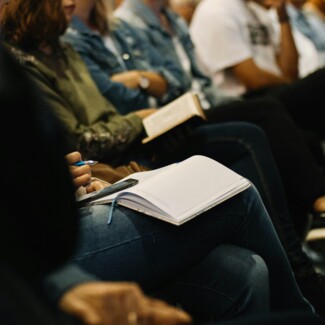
x=22 y=57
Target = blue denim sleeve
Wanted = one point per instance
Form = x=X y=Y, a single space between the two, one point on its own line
x=126 y=100
x=60 y=281
x=177 y=81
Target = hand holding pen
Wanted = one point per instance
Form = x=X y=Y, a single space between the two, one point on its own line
x=81 y=171
x=85 y=162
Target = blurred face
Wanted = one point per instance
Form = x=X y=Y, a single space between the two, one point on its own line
x=68 y=7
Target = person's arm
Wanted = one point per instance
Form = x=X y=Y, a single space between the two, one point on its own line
x=147 y=57
x=119 y=303
x=253 y=77
x=157 y=85
x=93 y=301
x=113 y=133
x=288 y=57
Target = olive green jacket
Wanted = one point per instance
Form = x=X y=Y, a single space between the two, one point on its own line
x=98 y=130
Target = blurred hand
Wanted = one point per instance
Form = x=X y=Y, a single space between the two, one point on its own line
x=82 y=174
x=130 y=78
x=106 y=303
x=145 y=112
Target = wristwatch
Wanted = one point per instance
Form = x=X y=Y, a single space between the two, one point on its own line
x=143 y=82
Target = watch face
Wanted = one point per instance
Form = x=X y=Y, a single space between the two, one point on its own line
x=144 y=82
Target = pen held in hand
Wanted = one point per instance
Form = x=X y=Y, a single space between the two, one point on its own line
x=85 y=162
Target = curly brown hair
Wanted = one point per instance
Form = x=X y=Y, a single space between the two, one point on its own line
x=29 y=24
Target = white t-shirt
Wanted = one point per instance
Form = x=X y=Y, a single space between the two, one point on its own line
x=227 y=32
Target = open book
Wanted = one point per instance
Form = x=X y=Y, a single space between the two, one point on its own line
x=179 y=192
x=169 y=116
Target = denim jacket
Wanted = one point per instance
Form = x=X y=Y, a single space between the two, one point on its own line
x=136 y=13
x=136 y=55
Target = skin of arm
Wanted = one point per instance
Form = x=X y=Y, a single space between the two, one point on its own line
x=288 y=56
x=252 y=76
x=157 y=87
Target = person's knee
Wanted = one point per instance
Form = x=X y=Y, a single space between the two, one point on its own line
x=249 y=273
x=251 y=133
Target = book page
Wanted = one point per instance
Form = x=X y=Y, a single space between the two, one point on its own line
x=179 y=192
x=172 y=114
x=187 y=185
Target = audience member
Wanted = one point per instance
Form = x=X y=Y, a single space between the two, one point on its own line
x=245 y=58
x=39 y=229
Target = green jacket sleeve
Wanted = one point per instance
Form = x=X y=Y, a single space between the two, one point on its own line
x=97 y=129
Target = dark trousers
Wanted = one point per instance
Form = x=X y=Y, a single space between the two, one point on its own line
x=301 y=175
x=303 y=100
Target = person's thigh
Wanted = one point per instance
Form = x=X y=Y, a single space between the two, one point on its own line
x=303 y=99
x=136 y=247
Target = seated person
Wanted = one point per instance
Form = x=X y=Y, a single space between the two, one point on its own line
x=39 y=229
x=255 y=62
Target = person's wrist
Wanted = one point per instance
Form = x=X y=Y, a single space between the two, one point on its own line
x=143 y=82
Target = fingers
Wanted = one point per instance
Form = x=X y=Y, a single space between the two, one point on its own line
x=106 y=303
x=95 y=186
x=81 y=175
x=160 y=313
x=73 y=157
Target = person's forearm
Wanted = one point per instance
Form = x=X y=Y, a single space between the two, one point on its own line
x=288 y=56
x=157 y=85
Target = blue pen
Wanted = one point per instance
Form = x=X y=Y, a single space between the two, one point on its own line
x=86 y=162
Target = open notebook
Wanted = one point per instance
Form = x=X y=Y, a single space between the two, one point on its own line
x=181 y=191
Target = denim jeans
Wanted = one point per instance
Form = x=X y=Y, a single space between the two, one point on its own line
x=244 y=148
x=213 y=266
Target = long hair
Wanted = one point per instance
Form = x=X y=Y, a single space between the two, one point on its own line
x=98 y=17
x=29 y=24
